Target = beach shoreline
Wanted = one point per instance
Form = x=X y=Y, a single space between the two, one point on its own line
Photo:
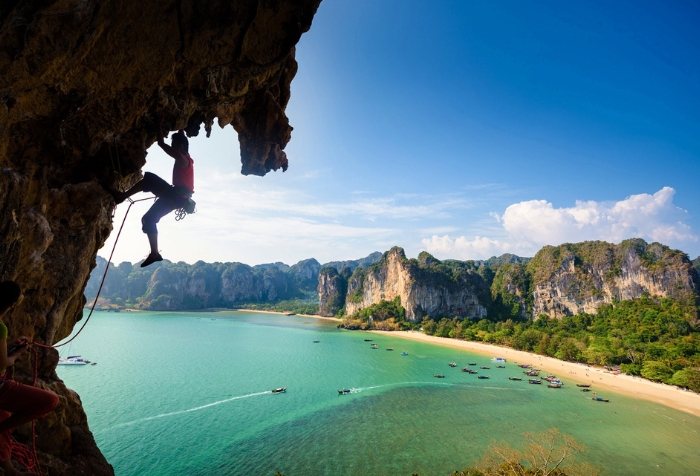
x=286 y=314
x=599 y=379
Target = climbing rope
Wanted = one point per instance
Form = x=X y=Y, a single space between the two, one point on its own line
x=21 y=452
x=104 y=276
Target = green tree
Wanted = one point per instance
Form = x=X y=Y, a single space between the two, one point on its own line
x=598 y=354
x=429 y=326
x=687 y=378
x=657 y=371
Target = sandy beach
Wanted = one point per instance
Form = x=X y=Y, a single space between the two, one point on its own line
x=285 y=314
x=580 y=373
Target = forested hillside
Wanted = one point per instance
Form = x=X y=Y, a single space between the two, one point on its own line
x=177 y=286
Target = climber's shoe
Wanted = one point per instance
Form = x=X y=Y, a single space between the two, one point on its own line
x=152 y=258
x=118 y=197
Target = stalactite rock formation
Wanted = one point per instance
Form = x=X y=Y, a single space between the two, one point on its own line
x=83 y=88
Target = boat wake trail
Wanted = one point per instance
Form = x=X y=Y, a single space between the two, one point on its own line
x=189 y=410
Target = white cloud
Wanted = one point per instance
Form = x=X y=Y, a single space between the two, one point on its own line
x=245 y=219
x=529 y=225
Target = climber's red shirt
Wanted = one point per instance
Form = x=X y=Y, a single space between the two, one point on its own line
x=184 y=177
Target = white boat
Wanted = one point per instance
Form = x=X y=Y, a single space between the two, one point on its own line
x=500 y=360
x=73 y=360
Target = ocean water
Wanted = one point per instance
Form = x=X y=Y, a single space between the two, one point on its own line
x=189 y=394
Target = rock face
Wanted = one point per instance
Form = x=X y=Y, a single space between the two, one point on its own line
x=577 y=278
x=83 y=88
x=167 y=286
x=332 y=287
x=305 y=273
x=559 y=281
x=424 y=288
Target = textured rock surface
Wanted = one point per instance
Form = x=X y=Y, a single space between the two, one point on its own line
x=571 y=279
x=176 y=286
x=559 y=281
x=422 y=290
x=83 y=86
x=332 y=287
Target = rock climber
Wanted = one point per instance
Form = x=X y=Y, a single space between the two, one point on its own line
x=170 y=197
x=19 y=403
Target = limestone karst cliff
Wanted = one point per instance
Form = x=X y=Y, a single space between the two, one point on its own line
x=82 y=89
x=577 y=278
x=332 y=286
x=425 y=287
x=559 y=281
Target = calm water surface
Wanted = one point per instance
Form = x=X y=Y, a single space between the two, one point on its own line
x=189 y=393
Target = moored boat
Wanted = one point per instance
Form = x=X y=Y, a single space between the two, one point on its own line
x=499 y=360
x=472 y=363
x=599 y=399
x=438 y=376
x=368 y=340
x=453 y=364
x=554 y=385
x=484 y=367
x=584 y=385
x=280 y=390
x=500 y=366
x=585 y=389
x=404 y=353
x=534 y=381
x=524 y=366
x=389 y=348
x=375 y=346
x=73 y=360
x=482 y=376
x=515 y=378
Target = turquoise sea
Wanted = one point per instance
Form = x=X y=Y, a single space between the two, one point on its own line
x=189 y=394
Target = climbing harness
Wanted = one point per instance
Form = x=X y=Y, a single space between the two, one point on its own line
x=189 y=208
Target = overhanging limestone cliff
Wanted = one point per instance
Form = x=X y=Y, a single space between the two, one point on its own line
x=83 y=87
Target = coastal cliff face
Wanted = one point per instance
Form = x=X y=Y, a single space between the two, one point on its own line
x=559 y=281
x=424 y=289
x=167 y=286
x=83 y=88
x=332 y=286
x=577 y=278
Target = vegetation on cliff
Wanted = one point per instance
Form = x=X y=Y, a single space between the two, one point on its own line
x=606 y=258
x=511 y=292
x=179 y=286
x=174 y=286
x=448 y=282
x=384 y=315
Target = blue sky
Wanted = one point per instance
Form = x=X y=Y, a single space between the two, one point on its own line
x=464 y=128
